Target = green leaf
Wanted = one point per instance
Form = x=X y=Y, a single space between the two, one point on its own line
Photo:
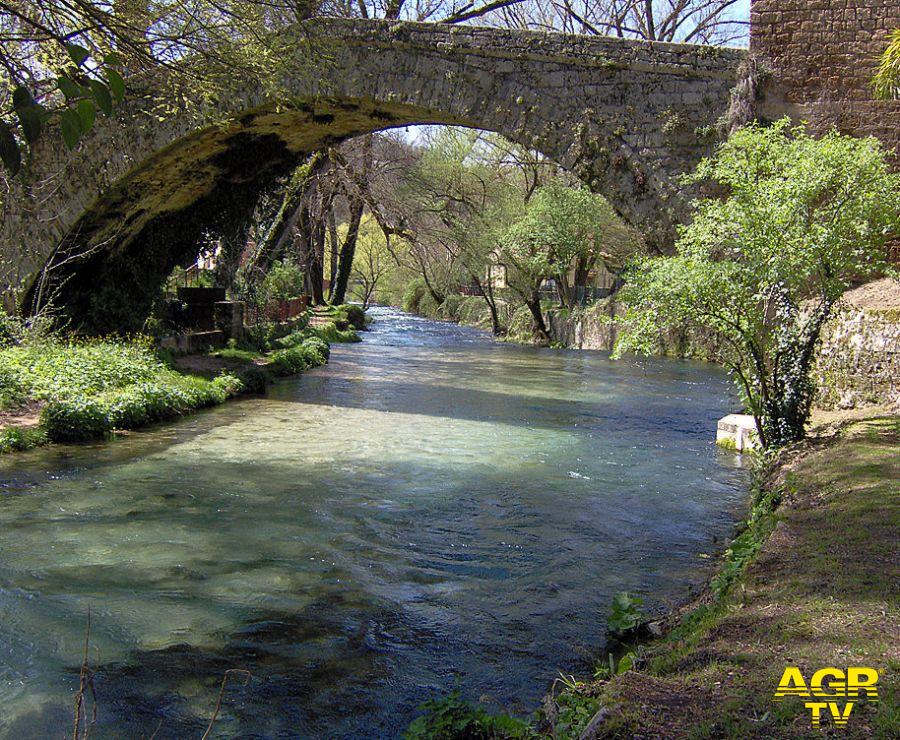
x=31 y=122
x=102 y=96
x=87 y=111
x=68 y=88
x=9 y=149
x=22 y=98
x=116 y=84
x=77 y=54
x=112 y=58
x=70 y=123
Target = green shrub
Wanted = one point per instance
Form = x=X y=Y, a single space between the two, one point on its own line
x=294 y=339
x=51 y=369
x=12 y=330
x=320 y=347
x=75 y=419
x=19 y=438
x=84 y=417
x=331 y=334
x=450 y=718
x=626 y=613
x=450 y=308
x=284 y=280
x=413 y=295
x=254 y=379
x=12 y=391
x=311 y=352
x=355 y=316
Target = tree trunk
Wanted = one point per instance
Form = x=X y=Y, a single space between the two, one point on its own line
x=289 y=214
x=333 y=238
x=348 y=251
x=487 y=292
x=787 y=410
x=316 y=272
x=538 y=325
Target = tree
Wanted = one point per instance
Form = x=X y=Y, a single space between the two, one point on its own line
x=372 y=260
x=63 y=61
x=762 y=267
x=564 y=231
x=887 y=80
x=464 y=195
x=686 y=21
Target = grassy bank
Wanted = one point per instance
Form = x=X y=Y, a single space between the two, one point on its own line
x=811 y=580
x=70 y=390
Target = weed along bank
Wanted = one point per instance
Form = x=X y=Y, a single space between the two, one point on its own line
x=484 y=371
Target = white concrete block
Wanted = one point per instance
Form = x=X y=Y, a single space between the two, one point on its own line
x=737 y=432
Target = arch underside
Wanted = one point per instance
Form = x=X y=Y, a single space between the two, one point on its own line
x=105 y=276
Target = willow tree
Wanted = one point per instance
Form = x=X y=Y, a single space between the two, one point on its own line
x=762 y=267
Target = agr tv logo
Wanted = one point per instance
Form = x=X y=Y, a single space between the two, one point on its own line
x=827 y=685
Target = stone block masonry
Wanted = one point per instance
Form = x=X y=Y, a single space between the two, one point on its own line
x=823 y=55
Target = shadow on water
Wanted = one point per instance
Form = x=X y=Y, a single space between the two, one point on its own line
x=415 y=514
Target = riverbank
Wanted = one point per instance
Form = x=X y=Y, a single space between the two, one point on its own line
x=857 y=362
x=810 y=582
x=55 y=389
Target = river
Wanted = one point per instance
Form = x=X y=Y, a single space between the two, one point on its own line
x=431 y=510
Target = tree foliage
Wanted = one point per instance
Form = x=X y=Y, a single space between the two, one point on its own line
x=887 y=80
x=762 y=267
x=564 y=230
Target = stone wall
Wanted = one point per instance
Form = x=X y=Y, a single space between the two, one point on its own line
x=823 y=55
x=859 y=360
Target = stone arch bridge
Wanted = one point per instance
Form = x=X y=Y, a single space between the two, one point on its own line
x=627 y=117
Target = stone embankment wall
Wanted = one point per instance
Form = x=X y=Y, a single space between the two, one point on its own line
x=859 y=360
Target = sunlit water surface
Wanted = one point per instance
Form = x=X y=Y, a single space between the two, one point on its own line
x=430 y=510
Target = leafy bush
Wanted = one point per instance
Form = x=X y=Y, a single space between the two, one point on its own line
x=18 y=439
x=626 y=613
x=82 y=417
x=12 y=390
x=294 y=339
x=52 y=369
x=76 y=419
x=320 y=347
x=294 y=360
x=413 y=295
x=331 y=334
x=284 y=280
x=355 y=315
x=450 y=308
x=12 y=330
x=254 y=379
x=450 y=718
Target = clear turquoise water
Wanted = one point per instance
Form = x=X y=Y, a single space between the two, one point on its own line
x=430 y=510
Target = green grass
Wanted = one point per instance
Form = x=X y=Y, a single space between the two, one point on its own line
x=236 y=353
x=89 y=388
x=51 y=369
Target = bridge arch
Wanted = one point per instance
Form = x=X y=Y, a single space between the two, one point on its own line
x=627 y=117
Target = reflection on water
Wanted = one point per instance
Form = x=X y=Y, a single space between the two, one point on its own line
x=431 y=509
